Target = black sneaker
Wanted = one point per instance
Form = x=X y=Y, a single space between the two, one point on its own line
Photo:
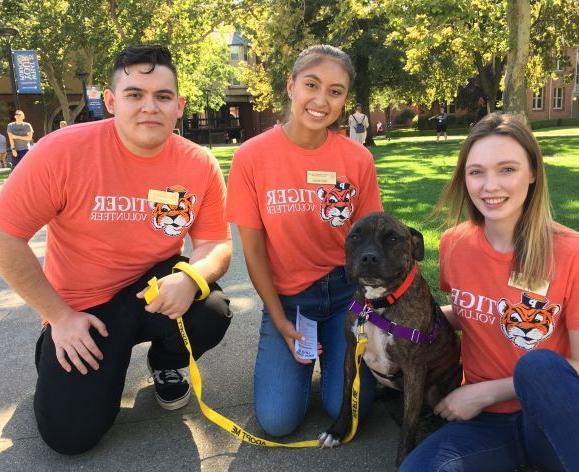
x=172 y=387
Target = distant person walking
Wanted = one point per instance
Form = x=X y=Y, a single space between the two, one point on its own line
x=3 y=161
x=482 y=109
x=440 y=123
x=20 y=137
x=379 y=128
x=358 y=123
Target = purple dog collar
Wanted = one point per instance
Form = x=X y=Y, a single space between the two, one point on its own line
x=416 y=336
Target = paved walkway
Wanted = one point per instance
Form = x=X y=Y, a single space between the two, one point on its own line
x=145 y=437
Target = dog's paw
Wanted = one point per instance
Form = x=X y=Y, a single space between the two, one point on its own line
x=328 y=441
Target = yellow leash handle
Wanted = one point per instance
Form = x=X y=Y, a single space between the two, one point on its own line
x=234 y=428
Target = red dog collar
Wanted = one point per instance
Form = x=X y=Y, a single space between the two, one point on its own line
x=391 y=298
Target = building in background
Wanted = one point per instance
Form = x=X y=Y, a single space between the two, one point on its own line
x=559 y=97
x=235 y=121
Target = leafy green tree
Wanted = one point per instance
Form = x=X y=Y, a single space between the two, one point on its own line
x=70 y=36
x=67 y=36
x=279 y=29
x=446 y=42
x=189 y=29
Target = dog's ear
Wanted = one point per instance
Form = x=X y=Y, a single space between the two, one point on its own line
x=417 y=244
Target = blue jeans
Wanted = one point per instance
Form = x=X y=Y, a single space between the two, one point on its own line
x=543 y=434
x=282 y=385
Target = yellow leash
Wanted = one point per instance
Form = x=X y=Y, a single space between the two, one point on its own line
x=235 y=429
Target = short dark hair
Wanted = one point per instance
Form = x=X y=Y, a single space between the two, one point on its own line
x=153 y=54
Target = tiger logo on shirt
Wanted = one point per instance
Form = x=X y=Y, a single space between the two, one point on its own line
x=173 y=220
x=336 y=203
x=528 y=323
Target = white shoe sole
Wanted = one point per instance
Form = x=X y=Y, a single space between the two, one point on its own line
x=175 y=404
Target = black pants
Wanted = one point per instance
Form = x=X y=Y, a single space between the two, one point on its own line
x=19 y=156
x=73 y=411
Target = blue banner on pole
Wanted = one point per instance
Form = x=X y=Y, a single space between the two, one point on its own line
x=26 y=72
x=94 y=102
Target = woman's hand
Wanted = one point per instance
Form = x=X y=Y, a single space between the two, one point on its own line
x=464 y=403
x=289 y=333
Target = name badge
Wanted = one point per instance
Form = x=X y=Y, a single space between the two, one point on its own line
x=320 y=177
x=159 y=196
x=539 y=289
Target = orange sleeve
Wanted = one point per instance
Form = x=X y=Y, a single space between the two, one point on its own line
x=242 y=201
x=572 y=294
x=443 y=257
x=33 y=194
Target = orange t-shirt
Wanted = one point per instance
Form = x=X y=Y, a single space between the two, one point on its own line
x=102 y=232
x=500 y=323
x=305 y=222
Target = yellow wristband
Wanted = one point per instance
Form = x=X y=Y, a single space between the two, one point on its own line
x=196 y=276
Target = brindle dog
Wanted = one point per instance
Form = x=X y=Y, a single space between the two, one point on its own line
x=380 y=254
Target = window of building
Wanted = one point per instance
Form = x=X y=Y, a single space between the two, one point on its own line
x=451 y=108
x=237 y=53
x=558 y=98
x=560 y=65
x=538 y=100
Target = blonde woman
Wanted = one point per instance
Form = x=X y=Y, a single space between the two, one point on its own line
x=513 y=276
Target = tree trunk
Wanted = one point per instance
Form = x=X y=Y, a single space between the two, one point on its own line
x=362 y=91
x=490 y=75
x=515 y=94
x=67 y=114
x=58 y=91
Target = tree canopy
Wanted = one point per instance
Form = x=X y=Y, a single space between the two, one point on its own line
x=416 y=51
x=70 y=36
x=404 y=51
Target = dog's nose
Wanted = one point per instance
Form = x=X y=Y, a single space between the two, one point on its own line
x=370 y=259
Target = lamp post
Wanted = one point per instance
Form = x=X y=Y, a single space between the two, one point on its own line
x=81 y=75
x=8 y=33
x=207 y=91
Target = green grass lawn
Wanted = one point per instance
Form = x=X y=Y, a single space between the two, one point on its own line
x=414 y=169
x=4 y=173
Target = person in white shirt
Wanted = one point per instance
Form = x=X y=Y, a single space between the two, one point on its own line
x=358 y=123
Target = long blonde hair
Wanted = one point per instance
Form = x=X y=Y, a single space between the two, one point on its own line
x=533 y=233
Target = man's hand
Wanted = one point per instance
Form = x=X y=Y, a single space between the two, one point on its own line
x=14 y=153
x=289 y=333
x=464 y=403
x=72 y=340
x=176 y=294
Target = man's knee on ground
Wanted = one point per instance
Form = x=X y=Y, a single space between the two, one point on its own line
x=70 y=430
x=70 y=441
